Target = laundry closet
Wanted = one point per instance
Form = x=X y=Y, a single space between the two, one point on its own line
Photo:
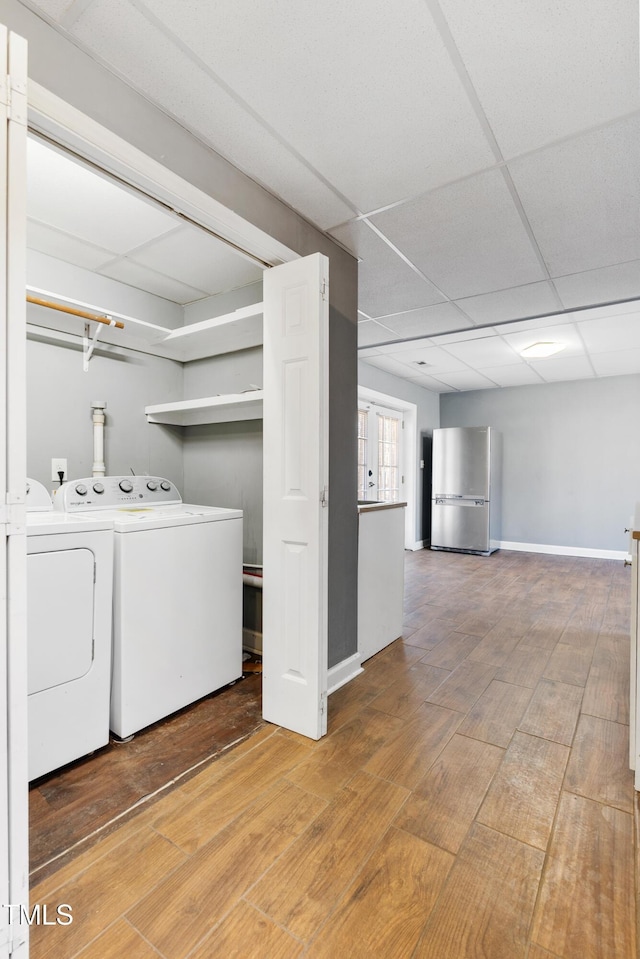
x=98 y=251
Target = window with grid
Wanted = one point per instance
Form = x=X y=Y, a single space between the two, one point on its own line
x=388 y=459
x=363 y=440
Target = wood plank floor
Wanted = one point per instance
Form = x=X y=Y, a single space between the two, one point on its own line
x=471 y=801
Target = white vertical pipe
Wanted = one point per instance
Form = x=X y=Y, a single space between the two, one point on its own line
x=98 y=407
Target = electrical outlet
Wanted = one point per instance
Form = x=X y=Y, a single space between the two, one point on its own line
x=58 y=466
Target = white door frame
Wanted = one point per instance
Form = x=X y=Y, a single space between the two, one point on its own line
x=408 y=448
x=14 y=866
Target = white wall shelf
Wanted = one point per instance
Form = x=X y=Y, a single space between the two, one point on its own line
x=209 y=409
x=221 y=334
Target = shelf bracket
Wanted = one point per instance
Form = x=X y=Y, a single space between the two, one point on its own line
x=89 y=344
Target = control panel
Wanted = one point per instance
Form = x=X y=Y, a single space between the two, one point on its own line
x=115 y=492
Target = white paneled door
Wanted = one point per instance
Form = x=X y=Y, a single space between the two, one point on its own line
x=13 y=662
x=296 y=462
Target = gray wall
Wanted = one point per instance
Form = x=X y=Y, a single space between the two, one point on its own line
x=571 y=470
x=223 y=462
x=59 y=412
x=428 y=415
x=70 y=74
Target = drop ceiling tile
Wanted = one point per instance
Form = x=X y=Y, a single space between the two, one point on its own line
x=581 y=198
x=467 y=380
x=437 y=360
x=429 y=321
x=469 y=334
x=545 y=71
x=119 y=36
x=87 y=205
x=431 y=384
x=566 y=333
x=199 y=260
x=468 y=238
x=126 y=271
x=562 y=367
x=393 y=95
x=518 y=374
x=402 y=345
x=539 y=323
x=613 y=333
x=386 y=284
x=390 y=365
x=617 y=362
x=48 y=240
x=488 y=351
x=54 y=9
x=532 y=299
x=610 y=283
x=370 y=333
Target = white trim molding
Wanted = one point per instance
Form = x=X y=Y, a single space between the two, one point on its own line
x=565 y=550
x=342 y=673
x=410 y=416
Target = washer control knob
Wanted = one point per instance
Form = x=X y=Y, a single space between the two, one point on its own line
x=126 y=486
x=152 y=485
x=165 y=486
x=81 y=489
x=98 y=488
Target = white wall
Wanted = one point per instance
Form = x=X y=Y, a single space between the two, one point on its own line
x=571 y=458
x=59 y=392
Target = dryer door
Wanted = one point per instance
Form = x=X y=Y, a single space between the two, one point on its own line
x=59 y=617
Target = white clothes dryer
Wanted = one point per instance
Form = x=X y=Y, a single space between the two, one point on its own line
x=177 y=602
x=69 y=600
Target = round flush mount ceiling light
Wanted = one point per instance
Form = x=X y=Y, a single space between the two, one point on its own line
x=538 y=350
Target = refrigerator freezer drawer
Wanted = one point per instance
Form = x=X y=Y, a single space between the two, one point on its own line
x=460 y=525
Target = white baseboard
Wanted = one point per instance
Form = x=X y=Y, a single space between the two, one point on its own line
x=565 y=550
x=418 y=545
x=342 y=673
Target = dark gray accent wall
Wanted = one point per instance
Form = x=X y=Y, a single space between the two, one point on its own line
x=571 y=457
x=343 y=484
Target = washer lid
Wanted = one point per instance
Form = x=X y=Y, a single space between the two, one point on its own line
x=134 y=519
x=53 y=524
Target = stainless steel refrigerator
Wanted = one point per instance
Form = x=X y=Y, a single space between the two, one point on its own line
x=465 y=505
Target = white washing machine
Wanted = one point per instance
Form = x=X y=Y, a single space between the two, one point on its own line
x=177 y=600
x=69 y=600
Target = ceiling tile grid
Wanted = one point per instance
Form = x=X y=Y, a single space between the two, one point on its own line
x=467 y=238
x=531 y=299
x=429 y=321
x=117 y=34
x=547 y=70
x=393 y=95
x=383 y=124
x=606 y=285
x=582 y=198
x=386 y=283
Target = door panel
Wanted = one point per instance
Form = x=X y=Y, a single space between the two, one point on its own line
x=294 y=678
